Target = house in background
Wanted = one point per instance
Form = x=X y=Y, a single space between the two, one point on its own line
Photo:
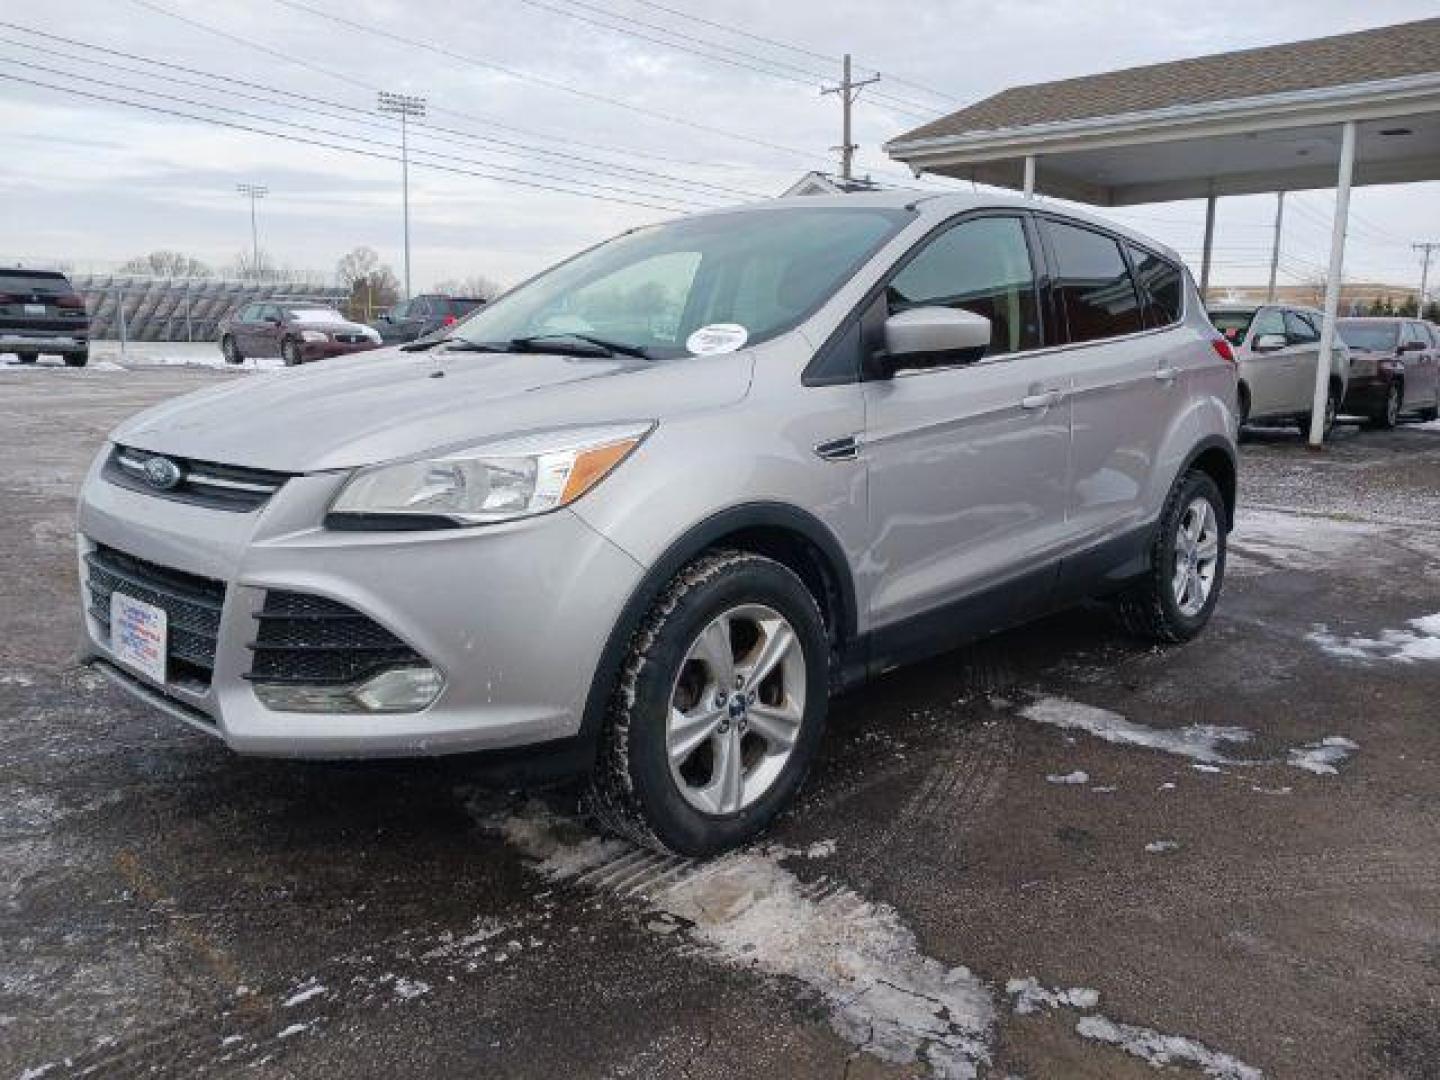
x=819 y=183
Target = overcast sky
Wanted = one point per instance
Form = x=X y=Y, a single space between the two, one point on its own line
x=92 y=183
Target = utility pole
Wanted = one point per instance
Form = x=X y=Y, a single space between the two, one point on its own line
x=253 y=191
x=404 y=106
x=848 y=91
x=1426 y=247
x=1275 y=251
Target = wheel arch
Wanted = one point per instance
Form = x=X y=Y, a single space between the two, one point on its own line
x=1214 y=457
x=792 y=537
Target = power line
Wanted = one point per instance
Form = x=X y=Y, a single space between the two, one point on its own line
x=363 y=115
x=418 y=43
x=375 y=155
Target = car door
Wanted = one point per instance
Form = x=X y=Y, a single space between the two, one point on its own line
x=1127 y=380
x=1422 y=373
x=243 y=328
x=1270 y=370
x=269 y=330
x=967 y=463
x=1304 y=346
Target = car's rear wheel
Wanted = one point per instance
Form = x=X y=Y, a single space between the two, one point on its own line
x=27 y=357
x=1388 y=415
x=1332 y=409
x=1176 y=597
x=231 y=350
x=719 y=709
x=290 y=352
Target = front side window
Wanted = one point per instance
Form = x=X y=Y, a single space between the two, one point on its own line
x=1270 y=322
x=1299 y=330
x=1162 y=286
x=761 y=271
x=1092 y=283
x=982 y=265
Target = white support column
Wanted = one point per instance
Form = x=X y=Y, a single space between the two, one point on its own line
x=1029 y=176
x=1275 y=249
x=1205 y=253
x=1332 y=283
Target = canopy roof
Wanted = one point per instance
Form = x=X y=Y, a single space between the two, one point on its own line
x=1257 y=120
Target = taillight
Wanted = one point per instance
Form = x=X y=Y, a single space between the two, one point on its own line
x=1223 y=349
x=449 y=320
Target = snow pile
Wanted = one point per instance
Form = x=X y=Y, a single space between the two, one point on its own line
x=1161 y=1050
x=1160 y=847
x=1200 y=742
x=882 y=993
x=1301 y=542
x=303 y=995
x=1322 y=758
x=1031 y=997
x=1079 y=776
x=1420 y=642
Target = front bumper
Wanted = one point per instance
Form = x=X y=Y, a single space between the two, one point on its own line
x=1366 y=394
x=321 y=350
x=513 y=616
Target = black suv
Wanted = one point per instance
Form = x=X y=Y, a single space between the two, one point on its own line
x=422 y=315
x=41 y=313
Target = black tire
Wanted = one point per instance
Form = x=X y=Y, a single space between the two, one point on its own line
x=1430 y=415
x=231 y=351
x=1388 y=415
x=1242 y=405
x=1149 y=608
x=77 y=359
x=27 y=357
x=632 y=792
x=290 y=353
x=1332 y=410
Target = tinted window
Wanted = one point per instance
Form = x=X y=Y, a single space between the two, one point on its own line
x=249 y=313
x=982 y=266
x=401 y=310
x=1160 y=285
x=1299 y=330
x=1373 y=336
x=1093 y=287
x=1270 y=321
x=1233 y=324
x=464 y=307
x=38 y=281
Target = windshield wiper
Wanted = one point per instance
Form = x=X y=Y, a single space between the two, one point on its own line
x=605 y=347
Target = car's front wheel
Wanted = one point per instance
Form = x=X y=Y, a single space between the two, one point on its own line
x=230 y=350
x=719 y=709
x=1388 y=414
x=290 y=352
x=1176 y=597
x=1332 y=409
x=77 y=359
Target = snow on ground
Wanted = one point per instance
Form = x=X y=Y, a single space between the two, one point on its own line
x=1031 y=997
x=1299 y=541
x=1420 y=642
x=882 y=993
x=1201 y=743
x=172 y=353
x=1079 y=776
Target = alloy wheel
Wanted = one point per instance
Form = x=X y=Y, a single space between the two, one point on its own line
x=1392 y=407
x=1197 y=557
x=736 y=709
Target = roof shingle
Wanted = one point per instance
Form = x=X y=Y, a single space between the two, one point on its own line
x=1388 y=52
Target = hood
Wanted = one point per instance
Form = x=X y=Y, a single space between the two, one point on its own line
x=333 y=326
x=388 y=404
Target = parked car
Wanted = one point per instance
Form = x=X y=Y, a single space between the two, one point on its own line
x=41 y=313
x=1277 y=347
x=1394 y=369
x=422 y=316
x=297 y=333
x=638 y=518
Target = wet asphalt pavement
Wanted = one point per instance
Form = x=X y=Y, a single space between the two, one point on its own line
x=167 y=908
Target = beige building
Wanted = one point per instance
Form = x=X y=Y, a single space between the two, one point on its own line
x=1355 y=296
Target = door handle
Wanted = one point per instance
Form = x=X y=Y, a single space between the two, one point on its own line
x=1040 y=401
x=1166 y=374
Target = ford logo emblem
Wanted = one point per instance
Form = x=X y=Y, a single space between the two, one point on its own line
x=162 y=473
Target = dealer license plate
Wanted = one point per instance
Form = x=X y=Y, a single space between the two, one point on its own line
x=137 y=635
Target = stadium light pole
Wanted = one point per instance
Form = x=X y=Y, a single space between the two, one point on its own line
x=404 y=106
x=253 y=192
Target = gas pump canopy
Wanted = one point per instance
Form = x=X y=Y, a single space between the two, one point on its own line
x=1360 y=108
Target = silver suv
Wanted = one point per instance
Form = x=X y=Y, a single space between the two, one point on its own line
x=642 y=516
x=1277 y=347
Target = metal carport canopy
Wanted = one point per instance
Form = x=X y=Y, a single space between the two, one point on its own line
x=1360 y=108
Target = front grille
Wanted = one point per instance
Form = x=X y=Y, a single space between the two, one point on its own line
x=191 y=603
x=201 y=483
x=315 y=641
x=350 y=339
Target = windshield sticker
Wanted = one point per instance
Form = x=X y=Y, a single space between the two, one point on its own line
x=717 y=338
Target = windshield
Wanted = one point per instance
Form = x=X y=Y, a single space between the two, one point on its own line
x=315 y=314
x=1233 y=324
x=698 y=285
x=1373 y=337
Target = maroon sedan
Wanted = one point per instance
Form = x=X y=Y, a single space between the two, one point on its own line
x=295 y=332
x=1394 y=369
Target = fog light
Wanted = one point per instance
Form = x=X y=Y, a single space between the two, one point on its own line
x=407 y=689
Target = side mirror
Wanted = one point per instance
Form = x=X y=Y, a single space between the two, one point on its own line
x=932 y=337
x=1270 y=343
x=1411 y=346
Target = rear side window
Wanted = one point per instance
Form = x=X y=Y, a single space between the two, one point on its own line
x=982 y=265
x=1161 y=287
x=1299 y=330
x=1092 y=284
x=1233 y=324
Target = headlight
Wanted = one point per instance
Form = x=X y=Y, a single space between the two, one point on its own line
x=314 y=335
x=371 y=333
x=496 y=482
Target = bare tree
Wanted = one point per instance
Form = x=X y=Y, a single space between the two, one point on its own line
x=164 y=263
x=479 y=286
x=245 y=267
x=371 y=284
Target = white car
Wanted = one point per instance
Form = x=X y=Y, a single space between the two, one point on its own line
x=1278 y=346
